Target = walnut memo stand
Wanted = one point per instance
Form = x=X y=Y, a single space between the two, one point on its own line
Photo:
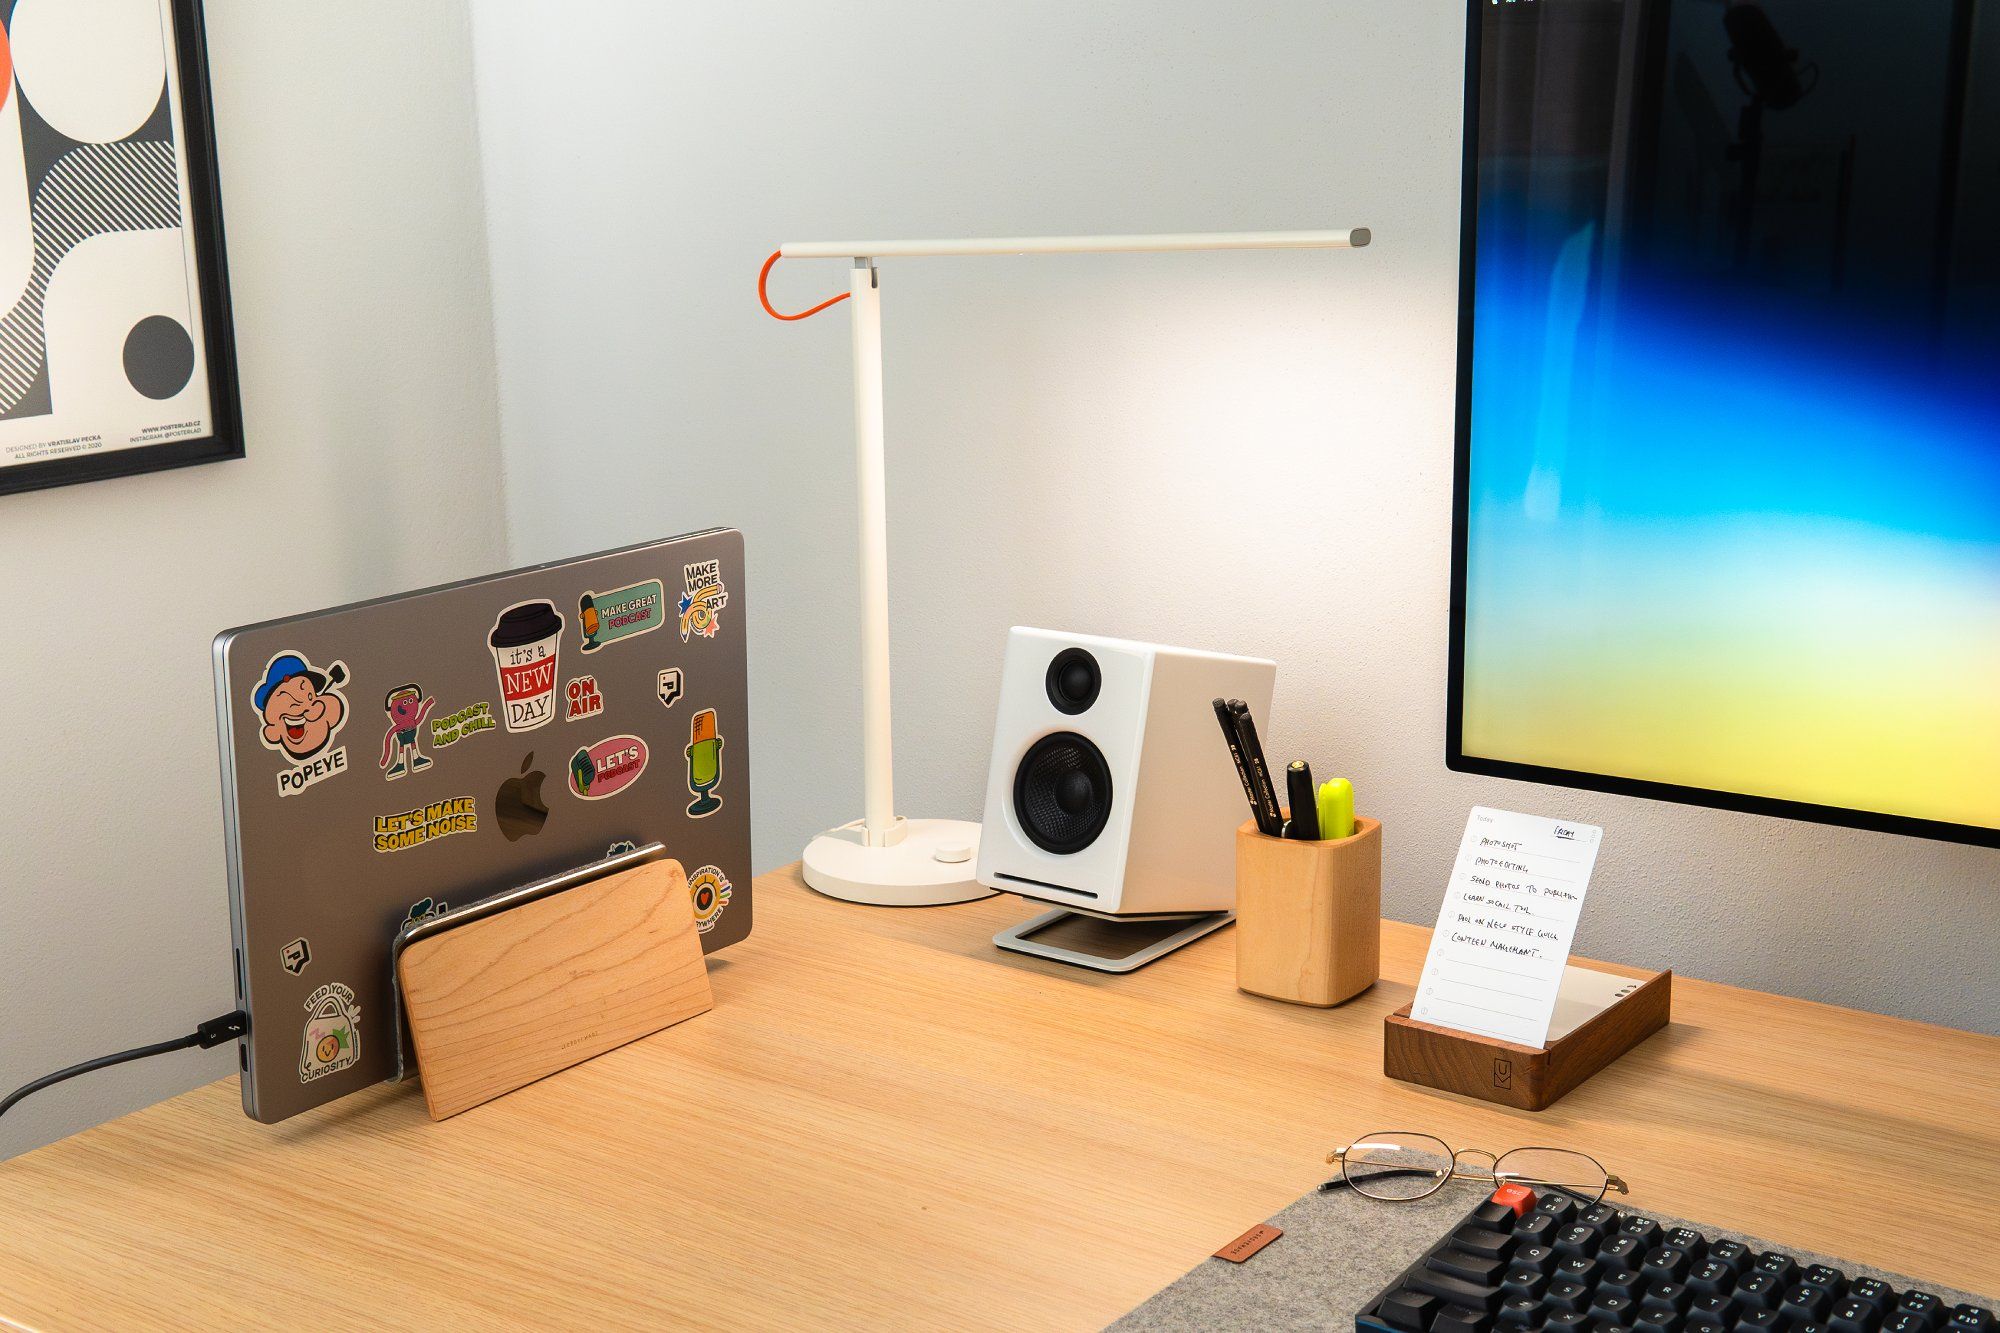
x=1599 y=1016
x=503 y=1000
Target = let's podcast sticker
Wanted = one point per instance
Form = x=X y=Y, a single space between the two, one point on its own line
x=303 y=709
x=702 y=602
x=622 y=613
x=709 y=888
x=333 y=1032
x=607 y=768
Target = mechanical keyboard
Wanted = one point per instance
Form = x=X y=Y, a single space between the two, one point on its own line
x=1522 y=1263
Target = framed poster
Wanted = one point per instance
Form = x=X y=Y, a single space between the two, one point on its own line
x=116 y=354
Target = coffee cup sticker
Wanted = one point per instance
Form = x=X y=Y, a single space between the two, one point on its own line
x=525 y=642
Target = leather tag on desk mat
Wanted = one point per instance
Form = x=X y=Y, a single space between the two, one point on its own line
x=1247 y=1244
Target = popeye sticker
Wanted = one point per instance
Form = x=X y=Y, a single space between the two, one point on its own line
x=333 y=1033
x=701 y=605
x=704 y=756
x=303 y=710
x=407 y=706
x=526 y=640
x=607 y=768
x=710 y=890
x=623 y=613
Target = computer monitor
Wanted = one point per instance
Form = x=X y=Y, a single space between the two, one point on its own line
x=1727 y=523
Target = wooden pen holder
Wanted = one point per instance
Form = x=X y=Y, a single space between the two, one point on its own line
x=1309 y=915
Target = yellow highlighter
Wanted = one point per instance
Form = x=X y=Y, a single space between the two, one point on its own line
x=1336 y=809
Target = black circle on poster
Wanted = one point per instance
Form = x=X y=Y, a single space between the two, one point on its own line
x=159 y=357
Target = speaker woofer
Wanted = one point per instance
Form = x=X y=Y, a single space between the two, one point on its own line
x=1062 y=793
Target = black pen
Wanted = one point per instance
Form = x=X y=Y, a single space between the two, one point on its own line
x=1229 y=734
x=1304 y=797
x=1268 y=818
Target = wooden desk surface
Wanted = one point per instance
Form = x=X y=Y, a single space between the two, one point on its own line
x=887 y=1122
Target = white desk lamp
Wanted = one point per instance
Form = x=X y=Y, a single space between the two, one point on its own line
x=882 y=857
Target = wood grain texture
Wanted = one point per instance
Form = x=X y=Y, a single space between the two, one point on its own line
x=887 y=1122
x=1308 y=915
x=1530 y=1078
x=498 y=1003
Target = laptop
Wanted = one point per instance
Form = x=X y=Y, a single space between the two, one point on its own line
x=392 y=760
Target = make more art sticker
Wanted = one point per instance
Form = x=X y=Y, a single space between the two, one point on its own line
x=709 y=888
x=302 y=709
x=607 y=768
x=425 y=823
x=333 y=1032
x=622 y=613
x=526 y=641
x=702 y=602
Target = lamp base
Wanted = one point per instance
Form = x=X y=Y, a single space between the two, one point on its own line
x=929 y=866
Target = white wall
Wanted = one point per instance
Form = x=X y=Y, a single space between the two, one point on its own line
x=1145 y=446
x=357 y=255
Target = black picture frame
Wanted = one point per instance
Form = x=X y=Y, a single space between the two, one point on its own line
x=202 y=217
x=1456 y=759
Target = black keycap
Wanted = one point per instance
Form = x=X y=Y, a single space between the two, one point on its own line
x=1686 y=1238
x=1458 y=1319
x=1497 y=1216
x=1522 y=1281
x=1732 y=1252
x=1719 y=1308
x=1808 y=1326
x=1556 y=1204
x=1666 y=1293
x=1759 y=1291
x=1830 y=1279
x=1853 y=1316
x=1644 y=1228
x=1567 y=1294
x=1411 y=1310
x=1600 y=1215
x=1873 y=1290
x=1656 y=1319
x=1610 y=1308
x=1539 y=1257
x=1666 y=1261
x=1567 y=1321
x=1711 y=1278
x=1483 y=1240
x=1805 y=1303
x=1759 y=1321
x=1575 y=1239
x=1537 y=1228
x=1970 y=1319
x=1521 y=1312
x=1622 y=1282
x=1453 y=1290
x=1701 y=1323
x=1369 y=1323
x=1923 y=1305
x=1484 y=1269
x=1906 y=1321
x=1624 y=1250
x=1779 y=1266
x=1580 y=1268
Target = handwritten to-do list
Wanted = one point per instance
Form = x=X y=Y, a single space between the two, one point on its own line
x=1504 y=932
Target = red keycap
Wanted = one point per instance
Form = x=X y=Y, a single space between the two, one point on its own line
x=1518 y=1197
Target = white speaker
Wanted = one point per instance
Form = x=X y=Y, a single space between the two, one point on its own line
x=1111 y=791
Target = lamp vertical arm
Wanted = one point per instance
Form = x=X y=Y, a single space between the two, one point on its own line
x=877 y=753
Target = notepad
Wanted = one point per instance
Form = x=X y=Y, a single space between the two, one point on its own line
x=1503 y=934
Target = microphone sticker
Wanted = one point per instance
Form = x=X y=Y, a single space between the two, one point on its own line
x=704 y=756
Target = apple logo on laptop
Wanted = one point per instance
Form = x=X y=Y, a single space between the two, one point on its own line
x=518 y=805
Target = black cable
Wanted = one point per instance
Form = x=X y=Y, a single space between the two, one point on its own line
x=212 y=1033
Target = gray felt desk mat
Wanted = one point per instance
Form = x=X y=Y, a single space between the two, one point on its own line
x=1339 y=1250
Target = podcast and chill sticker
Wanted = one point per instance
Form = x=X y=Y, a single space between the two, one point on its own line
x=1504 y=932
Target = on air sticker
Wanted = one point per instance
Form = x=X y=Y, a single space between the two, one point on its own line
x=607 y=768
x=582 y=698
x=623 y=613
x=303 y=710
x=526 y=640
x=701 y=605
x=670 y=686
x=454 y=727
x=709 y=888
x=333 y=1032
x=407 y=706
x=425 y=823
x=704 y=756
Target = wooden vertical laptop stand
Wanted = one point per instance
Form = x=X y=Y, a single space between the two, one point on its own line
x=503 y=1000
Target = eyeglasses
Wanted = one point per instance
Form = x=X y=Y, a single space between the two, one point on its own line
x=1399 y=1166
